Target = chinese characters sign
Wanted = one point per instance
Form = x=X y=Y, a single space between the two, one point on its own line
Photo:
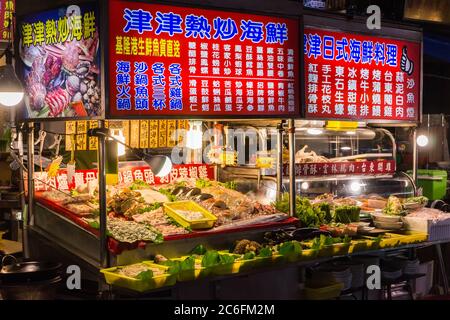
x=60 y=55
x=336 y=168
x=186 y=61
x=126 y=176
x=7 y=8
x=350 y=76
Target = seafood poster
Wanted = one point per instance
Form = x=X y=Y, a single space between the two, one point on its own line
x=360 y=77
x=59 y=50
x=170 y=60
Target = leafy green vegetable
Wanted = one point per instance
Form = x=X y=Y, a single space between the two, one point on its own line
x=150 y=207
x=290 y=248
x=210 y=258
x=249 y=256
x=179 y=184
x=308 y=214
x=168 y=194
x=145 y=275
x=199 y=250
x=174 y=266
x=94 y=224
x=265 y=252
x=346 y=214
x=202 y=183
x=187 y=264
x=226 y=258
x=139 y=184
x=229 y=185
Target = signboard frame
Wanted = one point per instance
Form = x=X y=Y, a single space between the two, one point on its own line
x=210 y=6
x=357 y=25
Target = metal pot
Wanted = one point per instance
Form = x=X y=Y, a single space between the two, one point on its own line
x=36 y=290
x=29 y=271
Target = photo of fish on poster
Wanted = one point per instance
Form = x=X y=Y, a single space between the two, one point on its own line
x=59 y=51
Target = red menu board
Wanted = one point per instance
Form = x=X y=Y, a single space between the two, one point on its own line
x=126 y=175
x=7 y=8
x=336 y=168
x=166 y=60
x=359 y=77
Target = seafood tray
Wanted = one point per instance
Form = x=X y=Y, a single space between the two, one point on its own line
x=174 y=209
x=140 y=285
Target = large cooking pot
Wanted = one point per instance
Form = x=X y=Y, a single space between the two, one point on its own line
x=28 y=271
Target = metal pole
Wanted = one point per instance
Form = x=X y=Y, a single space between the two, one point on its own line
x=291 y=132
x=415 y=156
x=30 y=160
x=279 y=160
x=28 y=219
x=104 y=256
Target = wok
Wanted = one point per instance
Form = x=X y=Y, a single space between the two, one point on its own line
x=28 y=271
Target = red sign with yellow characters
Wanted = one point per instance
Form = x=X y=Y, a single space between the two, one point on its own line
x=167 y=60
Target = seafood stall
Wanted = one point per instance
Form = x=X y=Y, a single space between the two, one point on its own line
x=135 y=148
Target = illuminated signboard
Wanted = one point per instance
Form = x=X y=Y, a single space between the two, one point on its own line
x=7 y=8
x=359 y=77
x=59 y=50
x=166 y=60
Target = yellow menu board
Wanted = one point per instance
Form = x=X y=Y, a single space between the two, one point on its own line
x=162 y=141
x=93 y=141
x=143 y=135
x=81 y=135
x=171 y=133
x=153 y=133
x=134 y=133
x=71 y=129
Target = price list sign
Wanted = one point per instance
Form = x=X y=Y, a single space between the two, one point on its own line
x=359 y=77
x=167 y=60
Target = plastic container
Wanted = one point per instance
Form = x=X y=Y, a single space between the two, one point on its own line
x=410 y=237
x=193 y=274
x=324 y=293
x=172 y=208
x=433 y=182
x=163 y=280
x=359 y=245
x=337 y=249
x=436 y=230
x=308 y=254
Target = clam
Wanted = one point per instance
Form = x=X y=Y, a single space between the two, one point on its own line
x=220 y=204
x=178 y=191
x=203 y=197
x=193 y=192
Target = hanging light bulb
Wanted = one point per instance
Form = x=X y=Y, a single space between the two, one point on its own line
x=118 y=134
x=194 y=136
x=11 y=90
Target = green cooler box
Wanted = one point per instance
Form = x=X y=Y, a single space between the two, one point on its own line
x=433 y=182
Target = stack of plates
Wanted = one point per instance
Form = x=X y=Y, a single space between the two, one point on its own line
x=411 y=267
x=383 y=221
x=344 y=277
x=334 y=273
x=357 y=270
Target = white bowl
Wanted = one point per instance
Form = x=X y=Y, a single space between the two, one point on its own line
x=377 y=217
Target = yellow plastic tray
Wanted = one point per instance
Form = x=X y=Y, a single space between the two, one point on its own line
x=189 y=275
x=410 y=237
x=308 y=254
x=359 y=245
x=337 y=249
x=171 y=209
x=139 y=285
